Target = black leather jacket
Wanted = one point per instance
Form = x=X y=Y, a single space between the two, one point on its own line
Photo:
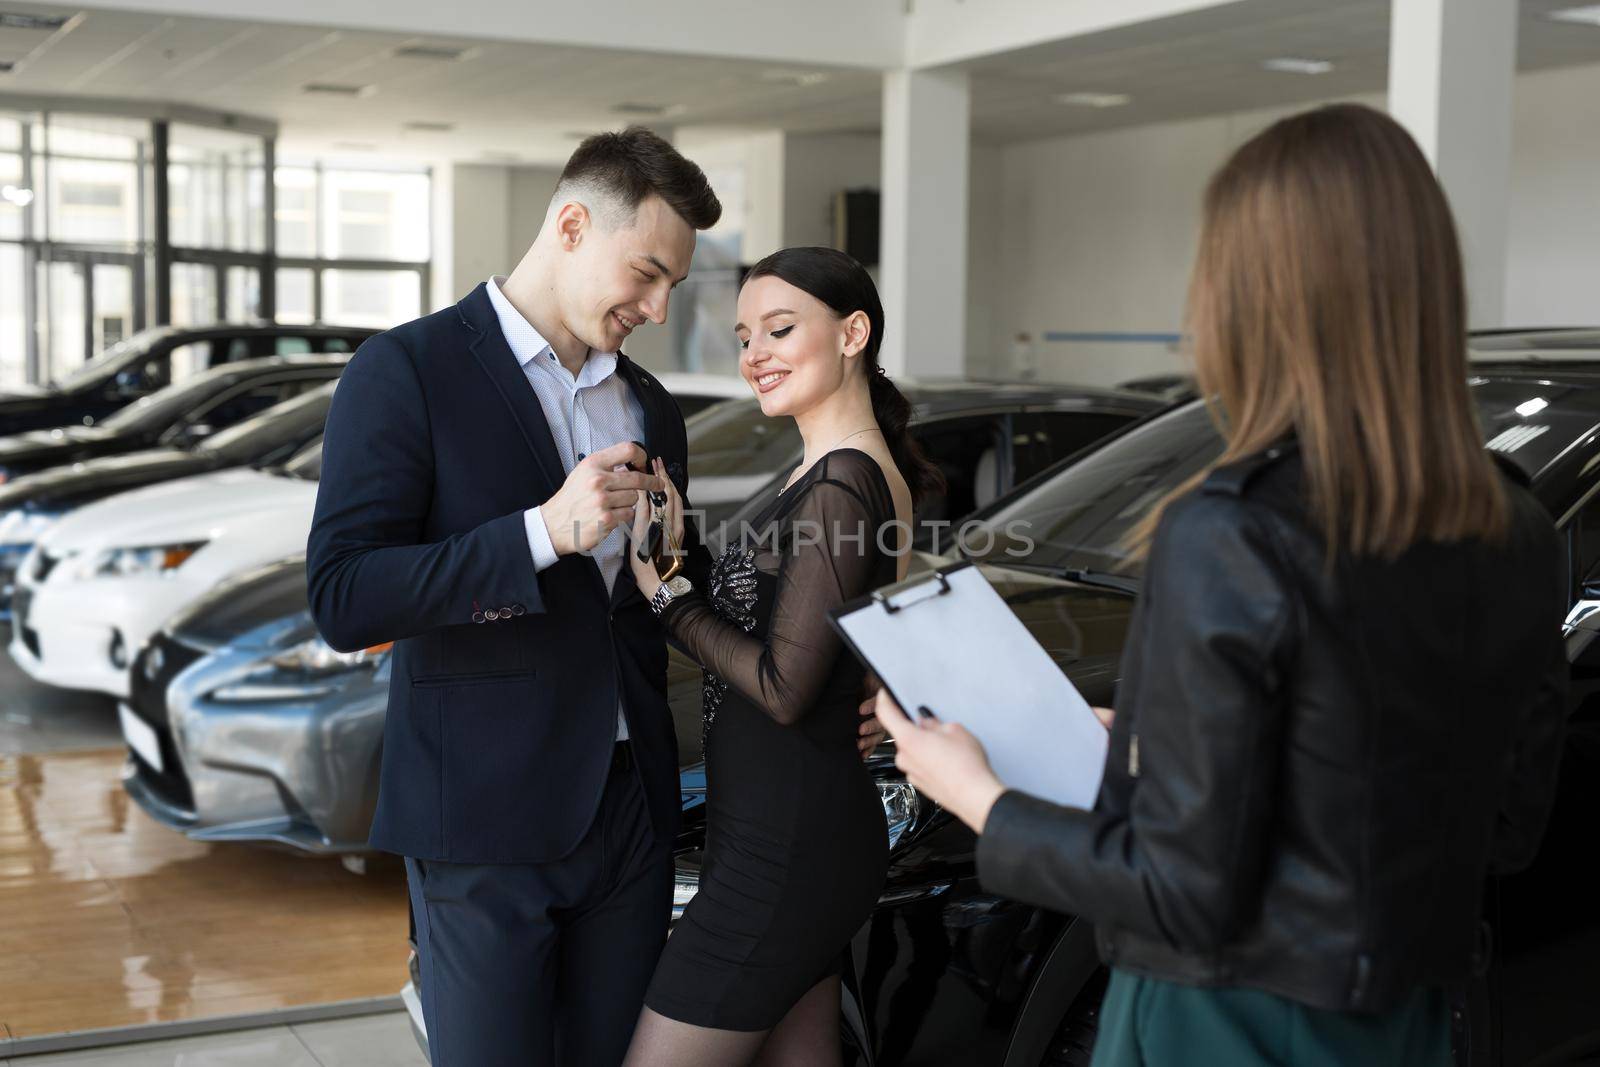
x=1311 y=767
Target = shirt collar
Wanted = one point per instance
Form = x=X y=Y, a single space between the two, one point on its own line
x=529 y=345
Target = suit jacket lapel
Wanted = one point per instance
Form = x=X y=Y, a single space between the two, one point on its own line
x=500 y=364
x=651 y=399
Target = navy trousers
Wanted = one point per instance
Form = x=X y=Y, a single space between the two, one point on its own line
x=529 y=965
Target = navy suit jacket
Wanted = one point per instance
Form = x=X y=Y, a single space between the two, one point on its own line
x=499 y=733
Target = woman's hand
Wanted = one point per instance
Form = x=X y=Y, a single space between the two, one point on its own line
x=1106 y=716
x=944 y=761
x=644 y=571
x=674 y=502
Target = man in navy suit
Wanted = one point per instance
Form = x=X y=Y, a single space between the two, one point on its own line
x=470 y=512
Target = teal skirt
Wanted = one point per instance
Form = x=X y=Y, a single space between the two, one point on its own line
x=1146 y=1022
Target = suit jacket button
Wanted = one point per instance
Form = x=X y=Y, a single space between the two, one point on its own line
x=492 y=614
x=517 y=609
x=477 y=616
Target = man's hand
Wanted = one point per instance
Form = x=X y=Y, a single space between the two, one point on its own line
x=595 y=499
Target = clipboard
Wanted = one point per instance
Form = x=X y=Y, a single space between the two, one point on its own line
x=950 y=644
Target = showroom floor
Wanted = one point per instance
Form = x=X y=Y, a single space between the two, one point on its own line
x=112 y=920
x=373 y=1041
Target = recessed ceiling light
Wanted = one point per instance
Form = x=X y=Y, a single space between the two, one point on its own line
x=6 y=65
x=17 y=20
x=1093 y=99
x=1294 y=65
x=332 y=89
x=429 y=127
x=429 y=51
x=355 y=146
x=16 y=195
x=1590 y=14
x=629 y=107
x=489 y=156
x=794 y=77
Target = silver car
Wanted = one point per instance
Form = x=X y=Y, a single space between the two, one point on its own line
x=243 y=725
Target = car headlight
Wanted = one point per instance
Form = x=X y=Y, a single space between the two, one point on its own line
x=131 y=562
x=901 y=806
x=316 y=656
x=303 y=672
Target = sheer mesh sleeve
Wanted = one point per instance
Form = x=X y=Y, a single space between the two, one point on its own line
x=826 y=556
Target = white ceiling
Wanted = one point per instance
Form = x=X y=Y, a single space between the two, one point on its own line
x=511 y=100
x=1209 y=62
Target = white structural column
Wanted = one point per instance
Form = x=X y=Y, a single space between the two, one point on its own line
x=923 y=255
x=1451 y=69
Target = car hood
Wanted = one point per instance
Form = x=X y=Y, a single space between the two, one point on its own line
x=200 y=508
x=259 y=608
x=37 y=444
x=1082 y=627
x=79 y=483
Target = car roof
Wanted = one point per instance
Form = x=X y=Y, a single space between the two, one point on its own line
x=263 y=364
x=262 y=326
x=691 y=383
x=942 y=397
x=1549 y=339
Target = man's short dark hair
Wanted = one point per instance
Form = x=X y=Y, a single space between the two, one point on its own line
x=624 y=168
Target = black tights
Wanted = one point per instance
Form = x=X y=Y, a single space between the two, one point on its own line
x=808 y=1036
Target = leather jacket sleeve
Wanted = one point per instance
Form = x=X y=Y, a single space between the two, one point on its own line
x=1194 y=747
x=1536 y=745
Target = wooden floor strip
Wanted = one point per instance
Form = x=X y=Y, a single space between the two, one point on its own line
x=113 y=920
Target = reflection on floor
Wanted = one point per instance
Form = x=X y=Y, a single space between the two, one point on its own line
x=373 y=1041
x=110 y=919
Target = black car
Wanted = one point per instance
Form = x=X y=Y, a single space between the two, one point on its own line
x=985 y=437
x=947 y=973
x=32 y=504
x=181 y=415
x=154 y=359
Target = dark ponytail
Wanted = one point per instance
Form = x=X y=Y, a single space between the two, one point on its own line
x=844 y=285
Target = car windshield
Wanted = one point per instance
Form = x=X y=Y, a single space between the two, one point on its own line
x=1079 y=518
x=735 y=438
x=116 y=358
x=279 y=424
x=166 y=406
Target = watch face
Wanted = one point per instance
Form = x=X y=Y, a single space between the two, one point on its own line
x=678 y=586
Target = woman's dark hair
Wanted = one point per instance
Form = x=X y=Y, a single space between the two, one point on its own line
x=844 y=285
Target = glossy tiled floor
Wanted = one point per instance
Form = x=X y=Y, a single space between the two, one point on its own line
x=110 y=919
x=371 y=1041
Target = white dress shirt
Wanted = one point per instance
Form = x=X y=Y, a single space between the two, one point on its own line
x=586 y=413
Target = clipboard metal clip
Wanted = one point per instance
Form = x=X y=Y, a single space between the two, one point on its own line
x=943 y=586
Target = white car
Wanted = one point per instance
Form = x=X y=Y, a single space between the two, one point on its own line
x=101 y=581
x=695 y=392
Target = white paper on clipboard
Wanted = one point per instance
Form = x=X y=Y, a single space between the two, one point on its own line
x=953 y=645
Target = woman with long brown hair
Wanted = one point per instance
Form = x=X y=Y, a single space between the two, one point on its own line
x=1343 y=687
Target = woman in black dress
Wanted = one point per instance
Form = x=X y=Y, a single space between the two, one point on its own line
x=796 y=845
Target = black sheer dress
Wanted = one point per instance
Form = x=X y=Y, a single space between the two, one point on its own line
x=796 y=842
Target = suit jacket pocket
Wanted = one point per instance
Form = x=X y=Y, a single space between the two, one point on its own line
x=511 y=755
x=443 y=681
